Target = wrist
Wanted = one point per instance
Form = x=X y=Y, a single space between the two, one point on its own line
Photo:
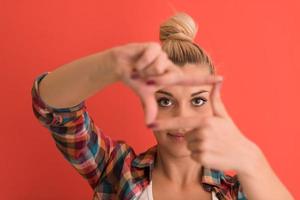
x=107 y=65
x=254 y=161
x=111 y=60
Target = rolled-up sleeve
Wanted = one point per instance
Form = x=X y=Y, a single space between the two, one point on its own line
x=82 y=143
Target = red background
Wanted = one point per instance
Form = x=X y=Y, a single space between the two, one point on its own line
x=253 y=44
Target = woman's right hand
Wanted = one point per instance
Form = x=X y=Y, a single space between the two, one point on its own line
x=146 y=68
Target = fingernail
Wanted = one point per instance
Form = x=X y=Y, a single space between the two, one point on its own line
x=135 y=76
x=152 y=125
x=150 y=82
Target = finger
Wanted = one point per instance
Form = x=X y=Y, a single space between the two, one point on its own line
x=218 y=107
x=209 y=160
x=194 y=145
x=196 y=77
x=158 y=67
x=177 y=123
x=196 y=156
x=178 y=77
x=194 y=136
x=150 y=108
x=150 y=53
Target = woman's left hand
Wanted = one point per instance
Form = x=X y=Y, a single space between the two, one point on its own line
x=215 y=141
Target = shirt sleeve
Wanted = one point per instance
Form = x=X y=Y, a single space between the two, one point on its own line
x=240 y=193
x=237 y=188
x=83 y=144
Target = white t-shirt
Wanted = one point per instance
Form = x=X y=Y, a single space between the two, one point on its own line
x=147 y=193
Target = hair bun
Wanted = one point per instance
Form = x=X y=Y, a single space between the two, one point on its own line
x=178 y=27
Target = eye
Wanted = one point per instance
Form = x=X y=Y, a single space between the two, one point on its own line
x=164 y=102
x=199 y=101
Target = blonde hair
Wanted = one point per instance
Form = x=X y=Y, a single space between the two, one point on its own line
x=177 y=36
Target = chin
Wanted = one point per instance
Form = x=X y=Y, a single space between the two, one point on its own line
x=176 y=151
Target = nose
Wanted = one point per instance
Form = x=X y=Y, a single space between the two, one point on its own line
x=183 y=111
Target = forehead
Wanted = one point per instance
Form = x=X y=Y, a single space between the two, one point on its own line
x=183 y=90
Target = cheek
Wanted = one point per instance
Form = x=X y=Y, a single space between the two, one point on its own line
x=205 y=110
x=163 y=113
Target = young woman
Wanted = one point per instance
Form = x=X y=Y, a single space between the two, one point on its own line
x=180 y=93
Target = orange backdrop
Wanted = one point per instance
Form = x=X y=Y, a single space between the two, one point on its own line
x=253 y=43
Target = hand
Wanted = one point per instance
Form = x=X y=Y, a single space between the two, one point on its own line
x=139 y=64
x=214 y=141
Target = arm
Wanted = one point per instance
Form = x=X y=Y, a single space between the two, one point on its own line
x=216 y=142
x=58 y=103
x=74 y=82
x=259 y=181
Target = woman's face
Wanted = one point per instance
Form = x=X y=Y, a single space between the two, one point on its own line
x=181 y=101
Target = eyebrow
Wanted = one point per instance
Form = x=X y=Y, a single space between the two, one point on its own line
x=169 y=94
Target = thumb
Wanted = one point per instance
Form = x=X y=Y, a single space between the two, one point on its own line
x=135 y=51
x=218 y=107
x=146 y=54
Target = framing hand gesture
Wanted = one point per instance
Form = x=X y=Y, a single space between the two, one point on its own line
x=214 y=141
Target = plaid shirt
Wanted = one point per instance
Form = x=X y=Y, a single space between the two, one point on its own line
x=111 y=167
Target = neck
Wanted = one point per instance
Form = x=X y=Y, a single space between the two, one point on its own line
x=183 y=171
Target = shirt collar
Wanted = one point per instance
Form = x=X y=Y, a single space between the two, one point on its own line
x=210 y=177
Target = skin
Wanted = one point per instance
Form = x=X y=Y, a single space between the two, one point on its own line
x=154 y=65
x=210 y=136
x=175 y=169
x=181 y=104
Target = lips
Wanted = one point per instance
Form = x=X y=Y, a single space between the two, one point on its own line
x=176 y=137
x=176 y=134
